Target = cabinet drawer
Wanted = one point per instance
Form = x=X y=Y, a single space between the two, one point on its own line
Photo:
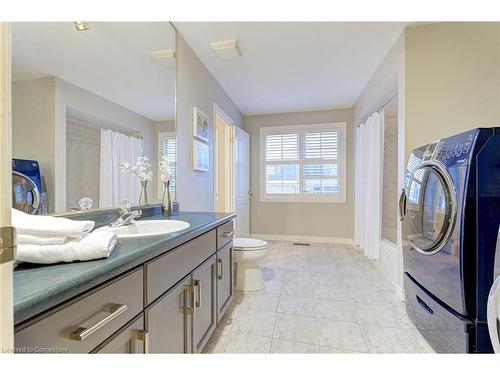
x=225 y=234
x=444 y=331
x=131 y=340
x=83 y=323
x=164 y=272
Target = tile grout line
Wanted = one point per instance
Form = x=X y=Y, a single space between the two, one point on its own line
x=316 y=315
x=358 y=324
x=362 y=333
x=239 y=311
x=279 y=303
x=232 y=325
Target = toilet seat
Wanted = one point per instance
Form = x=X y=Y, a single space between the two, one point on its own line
x=248 y=244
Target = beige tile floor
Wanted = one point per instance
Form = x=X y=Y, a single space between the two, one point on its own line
x=321 y=298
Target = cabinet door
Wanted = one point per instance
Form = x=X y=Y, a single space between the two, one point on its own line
x=131 y=340
x=170 y=320
x=224 y=279
x=205 y=316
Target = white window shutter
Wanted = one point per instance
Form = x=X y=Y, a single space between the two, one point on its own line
x=321 y=163
x=167 y=143
x=303 y=163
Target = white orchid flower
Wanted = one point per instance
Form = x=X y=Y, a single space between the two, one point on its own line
x=141 y=169
x=165 y=172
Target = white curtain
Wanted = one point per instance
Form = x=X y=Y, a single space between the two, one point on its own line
x=117 y=148
x=368 y=185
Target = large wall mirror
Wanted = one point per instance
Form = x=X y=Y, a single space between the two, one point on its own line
x=86 y=98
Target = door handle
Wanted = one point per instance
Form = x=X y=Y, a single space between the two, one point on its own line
x=424 y=306
x=227 y=234
x=402 y=205
x=197 y=285
x=36 y=199
x=221 y=267
x=114 y=310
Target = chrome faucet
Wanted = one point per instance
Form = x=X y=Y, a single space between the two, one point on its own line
x=126 y=216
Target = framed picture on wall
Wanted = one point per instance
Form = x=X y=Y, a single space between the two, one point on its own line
x=201 y=157
x=200 y=124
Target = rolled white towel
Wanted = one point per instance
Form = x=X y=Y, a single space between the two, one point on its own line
x=94 y=246
x=48 y=226
x=40 y=240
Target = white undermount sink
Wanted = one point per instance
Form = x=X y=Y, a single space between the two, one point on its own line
x=146 y=228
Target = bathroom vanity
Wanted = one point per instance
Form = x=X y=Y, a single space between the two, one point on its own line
x=161 y=294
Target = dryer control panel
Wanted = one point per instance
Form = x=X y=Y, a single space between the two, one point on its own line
x=455 y=150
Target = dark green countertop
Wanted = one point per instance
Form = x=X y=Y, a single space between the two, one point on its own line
x=38 y=288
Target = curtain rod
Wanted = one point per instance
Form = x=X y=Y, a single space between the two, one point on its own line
x=93 y=124
x=385 y=103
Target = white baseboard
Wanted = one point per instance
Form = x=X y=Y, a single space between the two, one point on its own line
x=299 y=238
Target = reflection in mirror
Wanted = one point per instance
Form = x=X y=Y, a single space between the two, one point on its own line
x=83 y=104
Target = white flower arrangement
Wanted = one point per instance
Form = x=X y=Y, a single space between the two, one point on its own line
x=141 y=169
x=165 y=172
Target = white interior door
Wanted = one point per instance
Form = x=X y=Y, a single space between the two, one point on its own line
x=6 y=263
x=242 y=182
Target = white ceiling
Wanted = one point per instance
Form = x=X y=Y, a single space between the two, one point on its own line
x=112 y=60
x=293 y=66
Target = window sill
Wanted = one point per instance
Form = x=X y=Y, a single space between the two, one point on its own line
x=302 y=200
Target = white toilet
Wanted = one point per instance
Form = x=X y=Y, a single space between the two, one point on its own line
x=248 y=253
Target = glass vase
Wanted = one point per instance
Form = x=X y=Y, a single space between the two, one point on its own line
x=143 y=196
x=166 y=202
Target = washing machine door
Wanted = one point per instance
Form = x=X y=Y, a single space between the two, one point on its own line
x=430 y=208
x=25 y=193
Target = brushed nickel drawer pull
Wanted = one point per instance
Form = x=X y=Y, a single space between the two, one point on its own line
x=144 y=336
x=114 y=310
x=221 y=274
x=189 y=290
x=197 y=284
x=227 y=234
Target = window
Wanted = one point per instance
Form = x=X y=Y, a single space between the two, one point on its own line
x=167 y=145
x=303 y=163
x=417 y=177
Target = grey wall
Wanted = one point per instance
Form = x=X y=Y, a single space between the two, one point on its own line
x=383 y=84
x=196 y=87
x=305 y=219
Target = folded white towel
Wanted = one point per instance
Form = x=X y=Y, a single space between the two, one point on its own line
x=94 y=246
x=48 y=226
x=40 y=240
